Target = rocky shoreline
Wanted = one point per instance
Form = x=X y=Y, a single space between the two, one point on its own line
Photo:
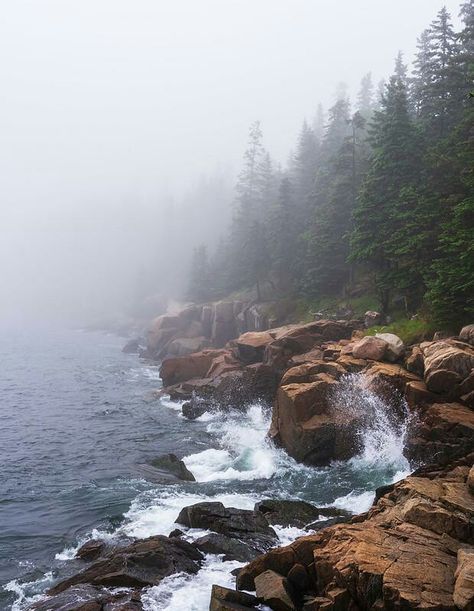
x=414 y=549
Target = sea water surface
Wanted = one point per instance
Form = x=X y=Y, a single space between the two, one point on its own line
x=75 y=421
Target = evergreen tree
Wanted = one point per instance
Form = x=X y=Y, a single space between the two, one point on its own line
x=200 y=280
x=283 y=238
x=438 y=83
x=365 y=99
x=394 y=165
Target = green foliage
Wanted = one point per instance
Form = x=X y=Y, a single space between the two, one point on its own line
x=410 y=331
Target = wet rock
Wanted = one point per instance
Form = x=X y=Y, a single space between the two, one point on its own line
x=180 y=369
x=288 y=513
x=224 y=599
x=395 y=346
x=176 y=533
x=304 y=424
x=372 y=562
x=248 y=526
x=90 y=598
x=444 y=432
x=250 y=347
x=273 y=589
x=90 y=550
x=140 y=564
x=166 y=469
x=369 y=347
x=132 y=347
x=195 y=408
x=231 y=548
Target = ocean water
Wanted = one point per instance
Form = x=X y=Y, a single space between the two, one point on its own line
x=75 y=423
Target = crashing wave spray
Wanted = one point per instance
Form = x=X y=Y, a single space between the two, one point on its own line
x=384 y=425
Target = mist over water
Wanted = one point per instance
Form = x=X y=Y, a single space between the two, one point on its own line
x=70 y=462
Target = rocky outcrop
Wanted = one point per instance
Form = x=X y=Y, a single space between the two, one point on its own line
x=248 y=527
x=374 y=561
x=91 y=598
x=166 y=469
x=449 y=367
x=197 y=327
x=139 y=564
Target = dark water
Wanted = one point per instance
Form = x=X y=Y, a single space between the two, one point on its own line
x=74 y=425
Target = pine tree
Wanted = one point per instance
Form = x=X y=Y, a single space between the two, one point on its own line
x=283 y=238
x=365 y=99
x=199 y=284
x=438 y=82
x=394 y=166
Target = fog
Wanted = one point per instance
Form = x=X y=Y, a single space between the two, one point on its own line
x=123 y=125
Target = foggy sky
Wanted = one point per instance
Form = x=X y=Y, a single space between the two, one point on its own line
x=112 y=108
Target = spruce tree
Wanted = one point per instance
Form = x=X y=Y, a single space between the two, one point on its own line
x=394 y=165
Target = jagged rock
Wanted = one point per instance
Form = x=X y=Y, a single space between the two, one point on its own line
x=140 y=564
x=464 y=585
x=183 y=346
x=274 y=589
x=245 y=525
x=132 y=347
x=250 y=347
x=444 y=432
x=180 y=369
x=395 y=346
x=224 y=599
x=304 y=425
x=374 y=562
x=231 y=548
x=90 y=598
x=91 y=550
x=467 y=334
x=415 y=362
x=447 y=364
x=195 y=407
x=294 y=513
x=387 y=379
x=170 y=463
x=370 y=347
x=418 y=395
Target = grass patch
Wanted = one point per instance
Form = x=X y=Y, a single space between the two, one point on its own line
x=410 y=331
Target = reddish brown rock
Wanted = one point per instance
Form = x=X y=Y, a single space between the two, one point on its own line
x=180 y=369
x=464 y=584
x=374 y=562
x=369 y=347
x=273 y=590
x=250 y=347
x=447 y=364
x=467 y=334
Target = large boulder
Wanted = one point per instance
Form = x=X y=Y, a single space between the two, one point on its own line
x=447 y=364
x=395 y=347
x=369 y=347
x=247 y=526
x=274 y=590
x=305 y=425
x=296 y=513
x=140 y=564
x=180 y=369
x=170 y=468
x=250 y=347
x=225 y=599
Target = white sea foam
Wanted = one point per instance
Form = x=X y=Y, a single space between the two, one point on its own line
x=167 y=402
x=27 y=592
x=190 y=592
x=245 y=453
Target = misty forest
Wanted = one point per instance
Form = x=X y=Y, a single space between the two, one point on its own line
x=237 y=307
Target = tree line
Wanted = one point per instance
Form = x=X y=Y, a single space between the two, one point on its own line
x=378 y=194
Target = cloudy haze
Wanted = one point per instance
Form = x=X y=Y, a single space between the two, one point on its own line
x=111 y=110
